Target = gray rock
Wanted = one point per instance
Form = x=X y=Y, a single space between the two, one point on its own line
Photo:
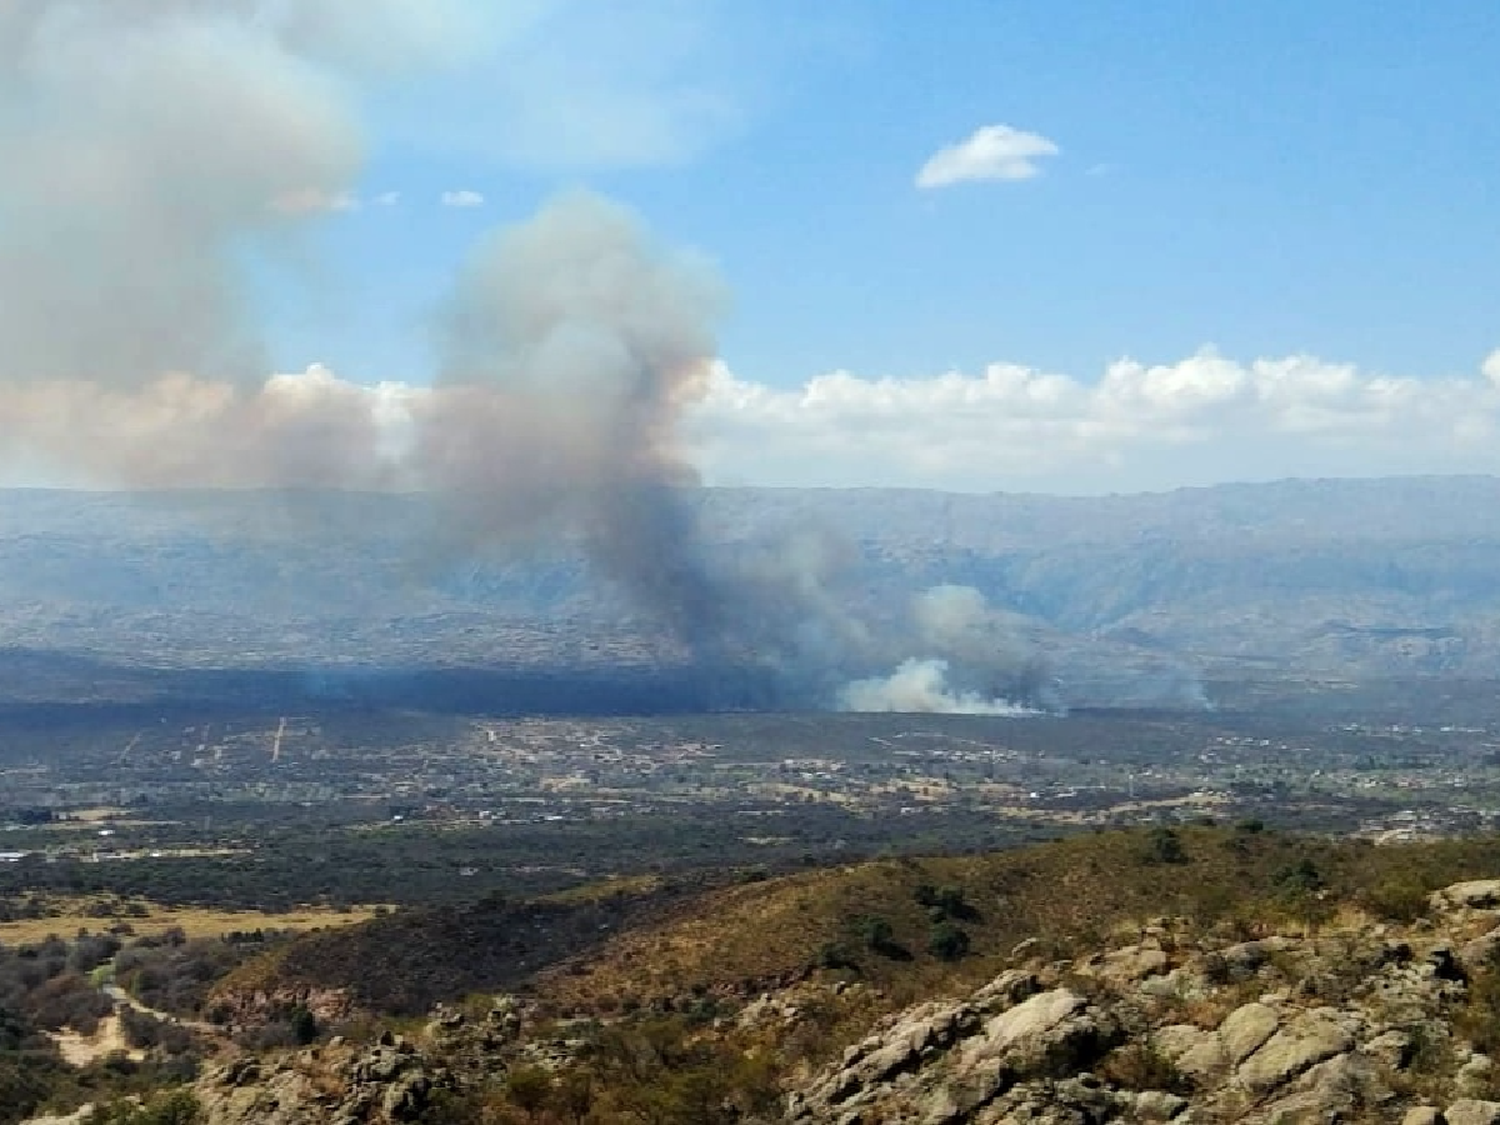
x=1480 y=952
x=1204 y=1063
x=1393 y=1048
x=947 y=1062
x=1422 y=1115
x=1027 y=1025
x=1475 y=1077
x=1010 y=987
x=1245 y=1029
x=1345 y=1087
x=1133 y=963
x=1244 y=960
x=1472 y=1111
x=1158 y=1105
x=1176 y=1039
x=1305 y=1041
x=1476 y=894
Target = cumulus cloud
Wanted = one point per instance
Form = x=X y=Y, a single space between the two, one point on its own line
x=462 y=198
x=1205 y=419
x=993 y=152
x=1202 y=420
x=1491 y=367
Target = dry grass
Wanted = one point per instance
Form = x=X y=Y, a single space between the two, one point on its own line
x=1072 y=894
x=74 y=916
x=607 y=888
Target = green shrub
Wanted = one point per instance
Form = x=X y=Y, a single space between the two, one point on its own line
x=1398 y=899
x=948 y=942
x=176 y=1107
x=1164 y=845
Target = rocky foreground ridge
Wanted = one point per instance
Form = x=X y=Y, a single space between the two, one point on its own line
x=1374 y=1024
x=1348 y=1021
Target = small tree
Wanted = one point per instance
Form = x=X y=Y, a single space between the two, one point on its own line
x=948 y=942
x=304 y=1025
x=1165 y=846
x=529 y=1089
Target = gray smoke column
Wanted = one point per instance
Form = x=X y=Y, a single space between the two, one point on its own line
x=570 y=347
x=160 y=160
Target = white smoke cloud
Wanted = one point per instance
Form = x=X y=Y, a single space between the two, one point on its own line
x=920 y=685
x=1205 y=419
x=309 y=430
x=150 y=150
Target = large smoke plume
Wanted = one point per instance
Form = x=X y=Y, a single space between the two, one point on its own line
x=159 y=155
x=570 y=347
x=162 y=156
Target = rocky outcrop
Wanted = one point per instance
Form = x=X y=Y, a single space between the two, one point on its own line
x=1348 y=1026
x=236 y=1007
x=1476 y=894
x=385 y=1084
x=1351 y=1024
x=947 y=1062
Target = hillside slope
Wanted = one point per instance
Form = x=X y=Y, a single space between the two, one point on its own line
x=1210 y=977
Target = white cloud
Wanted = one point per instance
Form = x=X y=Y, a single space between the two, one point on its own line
x=463 y=198
x=1205 y=419
x=387 y=199
x=1491 y=367
x=993 y=152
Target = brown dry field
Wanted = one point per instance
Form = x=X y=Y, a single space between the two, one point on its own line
x=194 y=922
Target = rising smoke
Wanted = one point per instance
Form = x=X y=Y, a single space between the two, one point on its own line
x=158 y=153
x=971 y=662
x=571 y=345
x=921 y=686
x=161 y=155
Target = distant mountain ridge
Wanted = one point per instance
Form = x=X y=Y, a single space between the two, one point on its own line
x=1351 y=578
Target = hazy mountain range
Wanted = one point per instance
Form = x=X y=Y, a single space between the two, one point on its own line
x=1337 y=577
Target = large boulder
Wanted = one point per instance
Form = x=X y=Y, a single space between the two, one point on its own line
x=1303 y=1042
x=387 y=1082
x=1475 y=894
x=1246 y=1029
x=1346 y=1087
x=945 y=1065
x=1472 y=1111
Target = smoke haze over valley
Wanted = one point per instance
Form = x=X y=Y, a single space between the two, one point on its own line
x=169 y=165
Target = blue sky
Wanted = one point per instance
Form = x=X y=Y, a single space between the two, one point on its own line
x=971 y=244
x=1271 y=179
